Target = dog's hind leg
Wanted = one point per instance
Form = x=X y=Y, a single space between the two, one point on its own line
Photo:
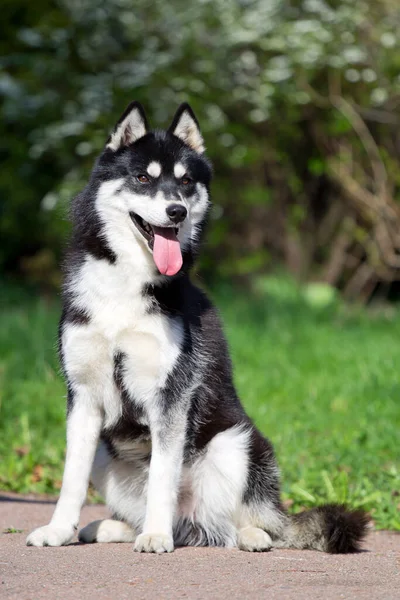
x=211 y=492
x=253 y=539
x=107 y=531
x=261 y=518
x=260 y=523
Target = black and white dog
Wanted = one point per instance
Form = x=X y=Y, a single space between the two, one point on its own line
x=153 y=416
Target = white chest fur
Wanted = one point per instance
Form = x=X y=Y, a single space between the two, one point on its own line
x=119 y=323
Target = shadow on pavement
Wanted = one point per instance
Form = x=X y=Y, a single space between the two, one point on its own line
x=29 y=499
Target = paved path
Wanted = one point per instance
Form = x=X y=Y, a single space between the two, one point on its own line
x=114 y=571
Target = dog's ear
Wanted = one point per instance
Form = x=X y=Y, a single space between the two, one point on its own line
x=186 y=128
x=131 y=126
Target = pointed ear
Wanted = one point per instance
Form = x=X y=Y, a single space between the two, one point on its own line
x=131 y=126
x=186 y=128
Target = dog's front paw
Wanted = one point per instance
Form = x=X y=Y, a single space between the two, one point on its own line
x=154 y=542
x=50 y=535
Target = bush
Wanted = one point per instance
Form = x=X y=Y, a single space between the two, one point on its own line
x=297 y=101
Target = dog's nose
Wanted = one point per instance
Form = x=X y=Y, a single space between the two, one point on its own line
x=177 y=213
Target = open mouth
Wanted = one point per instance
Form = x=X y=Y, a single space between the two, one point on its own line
x=147 y=230
x=164 y=244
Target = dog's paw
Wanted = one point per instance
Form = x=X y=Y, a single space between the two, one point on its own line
x=50 y=535
x=106 y=531
x=154 y=542
x=253 y=539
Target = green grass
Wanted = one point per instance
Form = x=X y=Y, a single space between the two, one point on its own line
x=12 y=530
x=322 y=383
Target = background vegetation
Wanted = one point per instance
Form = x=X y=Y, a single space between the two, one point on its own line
x=298 y=102
x=322 y=382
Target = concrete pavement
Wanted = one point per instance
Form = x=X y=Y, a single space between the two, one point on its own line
x=114 y=571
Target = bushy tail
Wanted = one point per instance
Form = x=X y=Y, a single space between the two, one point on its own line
x=330 y=528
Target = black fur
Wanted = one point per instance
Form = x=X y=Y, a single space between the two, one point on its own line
x=204 y=365
x=344 y=529
x=262 y=479
x=88 y=231
x=87 y=234
x=133 y=105
x=184 y=107
x=130 y=426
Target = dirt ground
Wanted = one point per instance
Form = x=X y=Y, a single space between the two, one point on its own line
x=114 y=571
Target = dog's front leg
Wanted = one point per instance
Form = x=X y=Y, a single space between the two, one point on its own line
x=165 y=470
x=83 y=429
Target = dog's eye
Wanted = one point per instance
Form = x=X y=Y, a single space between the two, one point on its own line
x=143 y=179
x=186 y=180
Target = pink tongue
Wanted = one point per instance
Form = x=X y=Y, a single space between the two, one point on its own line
x=167 y=250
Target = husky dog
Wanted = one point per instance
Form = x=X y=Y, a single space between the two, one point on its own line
x=153 y=415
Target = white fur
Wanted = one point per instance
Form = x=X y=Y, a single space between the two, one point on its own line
x=179 y=170
x=51 y=535
x=134 y=450
x=163 y=482
x=214 y=485
x=107 y=531
x=151 y=210
x=128 y=131
x=254 y=539
x=187 y=130
x=114 y=203
x=209 y=491
x=119 y=322
x=153 y=498
x=154 y=169
x=197 y=207
x=83 y=431
x=151 y=355
x=154 y=542
x=123 y=485
x=263 y=516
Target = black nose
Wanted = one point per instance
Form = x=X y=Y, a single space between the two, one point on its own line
x=177 y=213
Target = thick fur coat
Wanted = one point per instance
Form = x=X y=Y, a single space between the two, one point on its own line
x=153 y=415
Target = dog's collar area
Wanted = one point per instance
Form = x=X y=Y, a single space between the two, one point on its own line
x=146 y=229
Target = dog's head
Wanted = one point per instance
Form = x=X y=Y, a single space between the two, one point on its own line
x=159 y=181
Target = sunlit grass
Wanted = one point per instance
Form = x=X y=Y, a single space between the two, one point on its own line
x=321 y=380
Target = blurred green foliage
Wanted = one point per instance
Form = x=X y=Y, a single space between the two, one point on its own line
x=257 y=73
x=322 y=382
